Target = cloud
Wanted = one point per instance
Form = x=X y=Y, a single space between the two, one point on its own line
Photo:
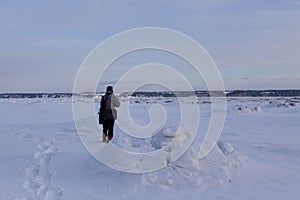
x=278 y=81
x=271 y=48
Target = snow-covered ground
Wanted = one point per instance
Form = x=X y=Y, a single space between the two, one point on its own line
x=257 y=156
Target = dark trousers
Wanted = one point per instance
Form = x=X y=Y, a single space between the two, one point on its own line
x=108 y=125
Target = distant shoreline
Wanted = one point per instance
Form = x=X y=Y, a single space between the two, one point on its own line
x=199 y=93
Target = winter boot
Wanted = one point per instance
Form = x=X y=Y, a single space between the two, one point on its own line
x=103 y=137
x=109 y=139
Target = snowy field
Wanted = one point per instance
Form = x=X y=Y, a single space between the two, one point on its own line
x=256 y=157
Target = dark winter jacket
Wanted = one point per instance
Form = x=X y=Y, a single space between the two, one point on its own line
x=108 y=105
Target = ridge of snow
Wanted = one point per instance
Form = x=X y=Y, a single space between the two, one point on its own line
x=190 y=170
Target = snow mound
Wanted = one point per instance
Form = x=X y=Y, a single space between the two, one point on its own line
x=283 y=103
x=165 y=136
x=190 y=171
x=247 y=109
x=170 y=131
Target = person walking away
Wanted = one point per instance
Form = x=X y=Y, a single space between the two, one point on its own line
x=108 y=113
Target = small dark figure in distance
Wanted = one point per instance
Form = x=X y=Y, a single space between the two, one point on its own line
x=108 y=113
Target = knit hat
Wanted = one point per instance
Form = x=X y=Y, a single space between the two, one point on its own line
x=109 y=89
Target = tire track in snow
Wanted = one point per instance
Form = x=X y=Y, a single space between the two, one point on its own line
x=38 y=174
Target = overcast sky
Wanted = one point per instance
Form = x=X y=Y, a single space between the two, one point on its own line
x=255 y=43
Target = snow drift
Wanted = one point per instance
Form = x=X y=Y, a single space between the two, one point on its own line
x=219 y=167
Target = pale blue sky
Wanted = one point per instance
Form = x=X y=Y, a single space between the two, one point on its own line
x=255 y=43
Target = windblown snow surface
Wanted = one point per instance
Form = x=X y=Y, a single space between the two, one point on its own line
x=256 y=157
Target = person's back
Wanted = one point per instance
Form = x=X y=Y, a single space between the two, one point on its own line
x=108 y=105
x=110 y=102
